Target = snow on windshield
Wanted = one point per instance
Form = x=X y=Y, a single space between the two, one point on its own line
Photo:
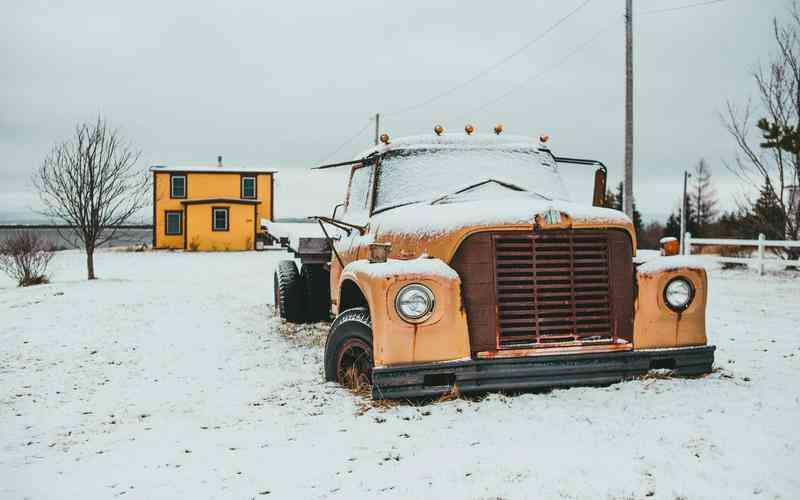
x=428 y=174
x=360 y=183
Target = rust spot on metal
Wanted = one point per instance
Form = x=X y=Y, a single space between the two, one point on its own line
x=569 y=348
x=414 y=344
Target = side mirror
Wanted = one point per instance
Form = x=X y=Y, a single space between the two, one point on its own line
x=599 y=198
x=336 y=208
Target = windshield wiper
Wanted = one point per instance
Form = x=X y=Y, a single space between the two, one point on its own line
x=508 y=185
x=395 y=206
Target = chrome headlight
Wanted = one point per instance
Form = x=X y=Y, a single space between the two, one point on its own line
x=414 y=303
x=678 y=294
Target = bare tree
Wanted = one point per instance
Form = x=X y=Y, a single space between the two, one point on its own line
x=91 y=184
x=24 y=257
x=703 y=196
x=773 y=166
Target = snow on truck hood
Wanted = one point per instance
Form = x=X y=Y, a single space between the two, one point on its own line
x=426 y=219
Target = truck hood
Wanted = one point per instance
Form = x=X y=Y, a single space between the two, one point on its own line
x=438 y=229
x=439 y=219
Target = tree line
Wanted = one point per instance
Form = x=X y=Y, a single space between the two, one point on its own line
x=763 y=214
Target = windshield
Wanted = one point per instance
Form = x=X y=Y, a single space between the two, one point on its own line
x=436 y=175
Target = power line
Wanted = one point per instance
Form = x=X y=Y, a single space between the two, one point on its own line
x=680 y=7
x=551 y=68
x=494 y=66
x=347 y=141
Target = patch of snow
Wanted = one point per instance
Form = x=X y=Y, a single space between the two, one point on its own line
x=421 y=266
x=423 y=175
x=425 y=219
x=670 y=263
x=491 y=189
x=169 y=377
x=643 y=256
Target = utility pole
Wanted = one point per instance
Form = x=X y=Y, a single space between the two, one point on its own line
x=377 y=127
x=628 y=198
x=686 y=176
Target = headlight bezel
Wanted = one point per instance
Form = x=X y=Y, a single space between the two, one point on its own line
x=689 y=300
x=418 y=287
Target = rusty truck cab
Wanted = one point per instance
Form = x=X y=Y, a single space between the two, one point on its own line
x=459 y=260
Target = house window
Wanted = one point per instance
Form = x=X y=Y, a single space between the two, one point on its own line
x=178 y=186
x=219 y=219
x=174 y=224
x=248 y=187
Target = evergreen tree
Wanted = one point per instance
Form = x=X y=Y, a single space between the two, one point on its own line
x=767 y=216
x=731 y=225
x=615 y=201
x=703 y=197
x=780 y=136
x=673 y=226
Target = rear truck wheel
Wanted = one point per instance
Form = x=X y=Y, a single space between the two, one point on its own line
x=318 y=292
x=348 y=350
x=289 y=292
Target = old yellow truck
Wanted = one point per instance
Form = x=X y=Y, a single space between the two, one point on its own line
x=458 y=260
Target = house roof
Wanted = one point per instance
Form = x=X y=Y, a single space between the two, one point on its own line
x=225 y=169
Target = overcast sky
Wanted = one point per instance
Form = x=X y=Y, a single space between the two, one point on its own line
x=283 y=84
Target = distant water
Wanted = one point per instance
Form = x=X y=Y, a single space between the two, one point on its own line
x=124 y=237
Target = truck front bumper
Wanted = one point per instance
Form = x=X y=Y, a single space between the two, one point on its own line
x=535 y=372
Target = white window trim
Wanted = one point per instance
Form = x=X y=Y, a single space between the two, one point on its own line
x=180 y=223
x=255 y=193
x=172 y=186
x=214 y=219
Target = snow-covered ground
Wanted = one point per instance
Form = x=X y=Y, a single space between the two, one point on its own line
x=169 y=378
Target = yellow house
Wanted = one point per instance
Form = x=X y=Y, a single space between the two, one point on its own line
x=210 y=208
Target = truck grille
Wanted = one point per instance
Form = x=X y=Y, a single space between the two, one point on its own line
x=551 y=288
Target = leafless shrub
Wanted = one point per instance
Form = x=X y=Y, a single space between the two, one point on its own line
x=24 y=257
x=91 y=184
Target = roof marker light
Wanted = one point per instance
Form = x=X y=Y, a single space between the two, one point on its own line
x=469 y=128
x=385 y=138
x=438 y=129
x=498 y=129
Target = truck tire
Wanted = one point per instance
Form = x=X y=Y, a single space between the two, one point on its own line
x=348 y=349
x=318 y=292
x=289 y=292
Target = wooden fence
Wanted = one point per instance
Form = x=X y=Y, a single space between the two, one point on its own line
x=760 y=245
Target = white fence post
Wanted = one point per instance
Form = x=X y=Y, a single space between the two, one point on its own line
x=761 y=239
x=687 y=244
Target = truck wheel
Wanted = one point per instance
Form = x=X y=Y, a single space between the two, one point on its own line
x=289 y=291
x=348 y=350
x=318 y=292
